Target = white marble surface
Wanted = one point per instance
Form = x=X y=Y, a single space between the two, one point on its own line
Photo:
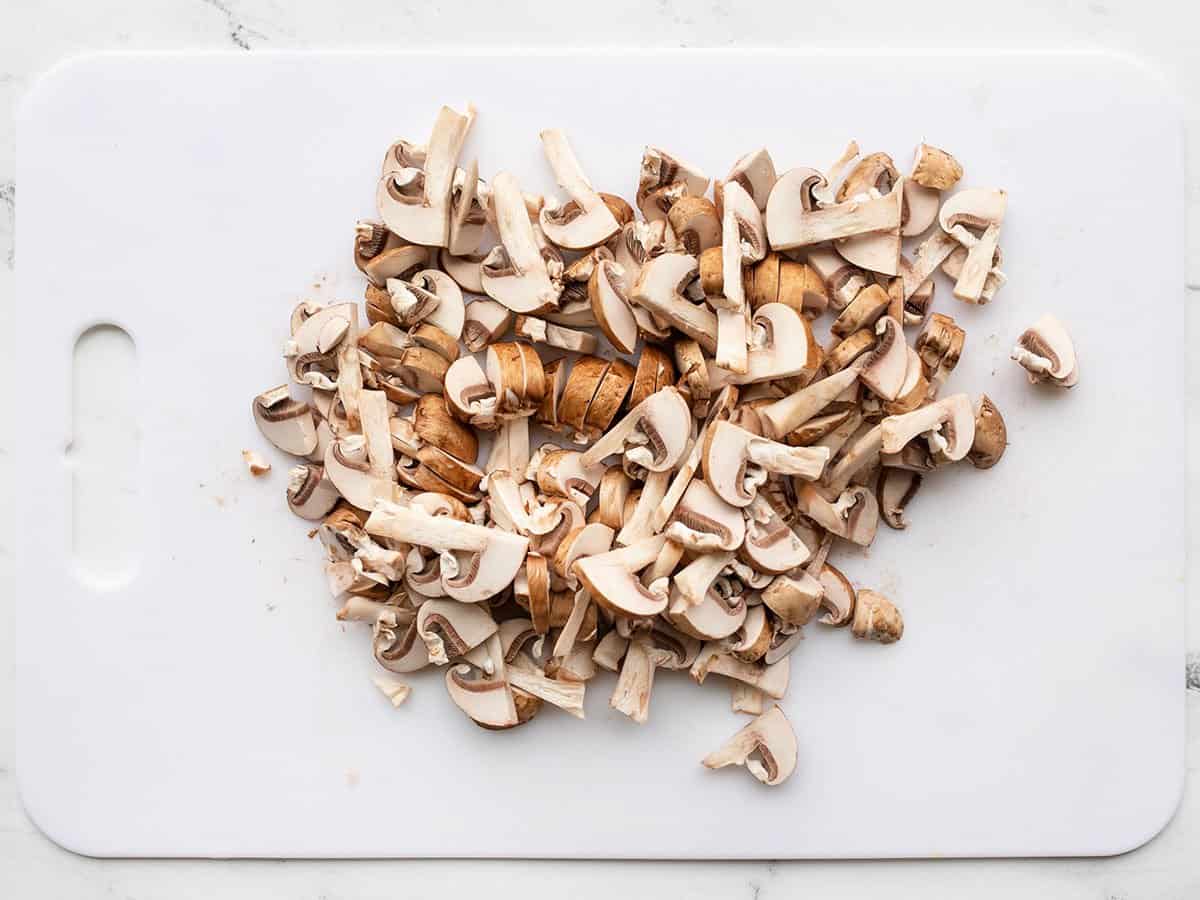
x=34 y=36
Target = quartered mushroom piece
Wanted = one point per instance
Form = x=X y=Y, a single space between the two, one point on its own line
x=1046 y=352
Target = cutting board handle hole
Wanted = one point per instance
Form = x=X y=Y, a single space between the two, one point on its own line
x=103 y=457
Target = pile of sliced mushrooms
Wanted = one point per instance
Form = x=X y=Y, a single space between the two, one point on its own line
x=674 y=457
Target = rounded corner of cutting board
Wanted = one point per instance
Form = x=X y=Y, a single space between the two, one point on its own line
x=54 y=82
x=1157 y=817
x=69 y=833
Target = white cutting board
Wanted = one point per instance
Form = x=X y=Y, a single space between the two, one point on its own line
x=210 y=705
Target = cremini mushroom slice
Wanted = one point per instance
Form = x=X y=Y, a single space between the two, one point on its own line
x=415 y=201
x=991 y=436
x=310 y=494
x=654 y=372
x=781 y=345
x=515 y=273
x=935 y=168
x=539 y=331
x=395 y=690
x=696 y=224
x=467 y=215
x=792 y=221
x=795 y=598
x=607 y=290
x=838 y=597
x=743 y=242
x=876 y=618
x=770 y=546
x=555 y=376
x=432 y=423
x=755 y=173
x=862 y=312
x=940 y=345
x=772 y=679
x=660 y=169
x=631 y=695
x=448 y=312
x=487 y=558
x=583 y=221
x=949 y=425
x=380 y=254
x=914 y=390
x=463 y=269
x=581 y=385
x=486 y=698
x=885 y=368
x=1045 y=350
x=469 y=394
x=610 y=395
x=702 y=521
x=693 y=372
x=776 y=279
x=510 y=448
x=736 y=462
x=395 y=643
x=609 y=651
x=285 y=422
x=612 y=581
x=992 y=281
x=717 y=617
x=564 y=474
x=896 y=488
x=613 y=491
x=590 y=540
x=981 y=209
x=766 y=747
x=789 y=413
x=449 y=629
x=659 y=289
x=639 y=522
x=853 y=516
x=653 y=434
x=750 y=642
x=690 y=585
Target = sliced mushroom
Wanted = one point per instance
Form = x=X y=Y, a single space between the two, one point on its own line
x=609 y=396
x=770 y=546
x=467 y=215
x=414 y=201
x=585 y=220
x=660 y=169
x=395 y=643
x=789 y=413
x=449 y=629
x=611 y=579
x=714 y=619
x=940 y=345
x=690 y=585
x=310 y=494
x=781 y=345
x=469 y=394
x=885 y=368
x=487 y=558
x=991 y=436
x=563 y=473
x=755 y=172
x=539 y=331
x=659 y=289
x=286 y=423
x=433 y=424
x=766 y=747
x=653 y=435
x=948 y=423
x=876 y=618
x=936 y=169
x=838 y=597
x=515 y=273
x=981 y=209
x=486 y=698
x=896 y=488
x=607 y=294
x=465 y=270
x=792 y=219
x=696 y=224
x=1046 y=352
x=743 y=242
x=555 y=375
x=772 y=679
x=736 y=462
x=704 y=522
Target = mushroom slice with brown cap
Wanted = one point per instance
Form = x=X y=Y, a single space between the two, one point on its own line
x=613 y=490
x=612 y=581
x=896 y=488
x=449 y=312
x=1046 y=352
x=991 y=436
x=789 y=413
x=853 y=516
x=691 y=583
x=977 y=293
x=885 y=369
x=794 y=599
x=638 y=521
x=555 y=374
x=793 y=221
x=515 y=273
x=770 y=546
x=660 y=169
x=486 y=698
x=467 y=215
x=609 y=396
x=286 y=423
x=766 y=747
x=414 y=202
x=978 y=208
x=743 y=241
x=736 y=462
x=755 y=173
x=715 y=618
x=920 y=208
x=862 y=312
x=654 y=372
x=653 y=435
x=609 y=651
x=464 y=270
x=348 y=466
x=433 y=424
x=395 y=643
x=310 y=494
x=935 y=168
x=876 y=618
x=702 y=521
x=949 y=424
x=562 y=473
x=696 y=224
x=469 y=394
x=590 y=540
x=750 y=642
x=449 y=629
x=487 y=557
x=398 y=261
x=781 y=345
x=843 y=281
x=585 y=220
x=580 y=389
x=838 y=597
x=659 y=289
x=914 y=390
x=610 y=305
x=940 y=346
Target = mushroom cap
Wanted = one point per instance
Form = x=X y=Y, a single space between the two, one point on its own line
x=1047 y=352
x=991 y=435
x=935 y=168
x=696 y=224
x=286 y=423
x=450 y=629
x=450 y=311
x=469 y=394
x=770 y=736
x=433 y=424
x=755 y=172
x=838 y=597
x=654 y=372
x=703 y=521
x=876 y=618
x=610 y=306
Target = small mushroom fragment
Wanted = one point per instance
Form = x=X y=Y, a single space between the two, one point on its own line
x=395 y=690
x=771 y=679
x=433 y=424
x=659 y=170
x=766 y=747
x=539 y=331
x=853 y=516
x=395 y=643
x=936 y=169
x=736 y=462
x=746 y=699
x=1046 y=352
x=696 y=224
x=940 y=345
x=631 y=696
x=485 y=321
x=585 y=220
x=286 y=423
x=467 y=215
x=414 y=200
x=463 y=269
x=469 y=394
x=876 y=618
x=991 y=436
x=693 y=370
x=610 y=651
x=255 y=463
x=885 y=368
x=896 y=488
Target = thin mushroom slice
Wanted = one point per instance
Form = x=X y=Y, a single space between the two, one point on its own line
x=702 y=521
x=1047 y=353
x=948 y=423
x=838 y=597
x=789 y=413
x=766 y=747
x=450 y=629
x=515 y=273
x=463 y=269
x=781 y=345
x=896 y=488
x=659 y=290
x=887 y=365
x=611 y=579
x=607 y=293
x=696 y=223
x=736 y=462
x=486 y=698
x=653 y=435
x=755 y=173
x=585 y=220
x=770 y=546
x=286 y=423
x=771 y=679
x=792 y=221
x=660 y=169
x=991 y=435
x=310 y=494
x=467 y=215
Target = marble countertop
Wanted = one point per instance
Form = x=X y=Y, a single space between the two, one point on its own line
x=35 y=36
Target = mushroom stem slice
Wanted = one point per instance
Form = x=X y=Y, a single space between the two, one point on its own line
x=653 y=435
x=790 y=225
x=771 y=739
x=786 y=415
x=746 y=699
x=772 y=680
x=515 y=273
x=566 y=695
x=631 y=696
